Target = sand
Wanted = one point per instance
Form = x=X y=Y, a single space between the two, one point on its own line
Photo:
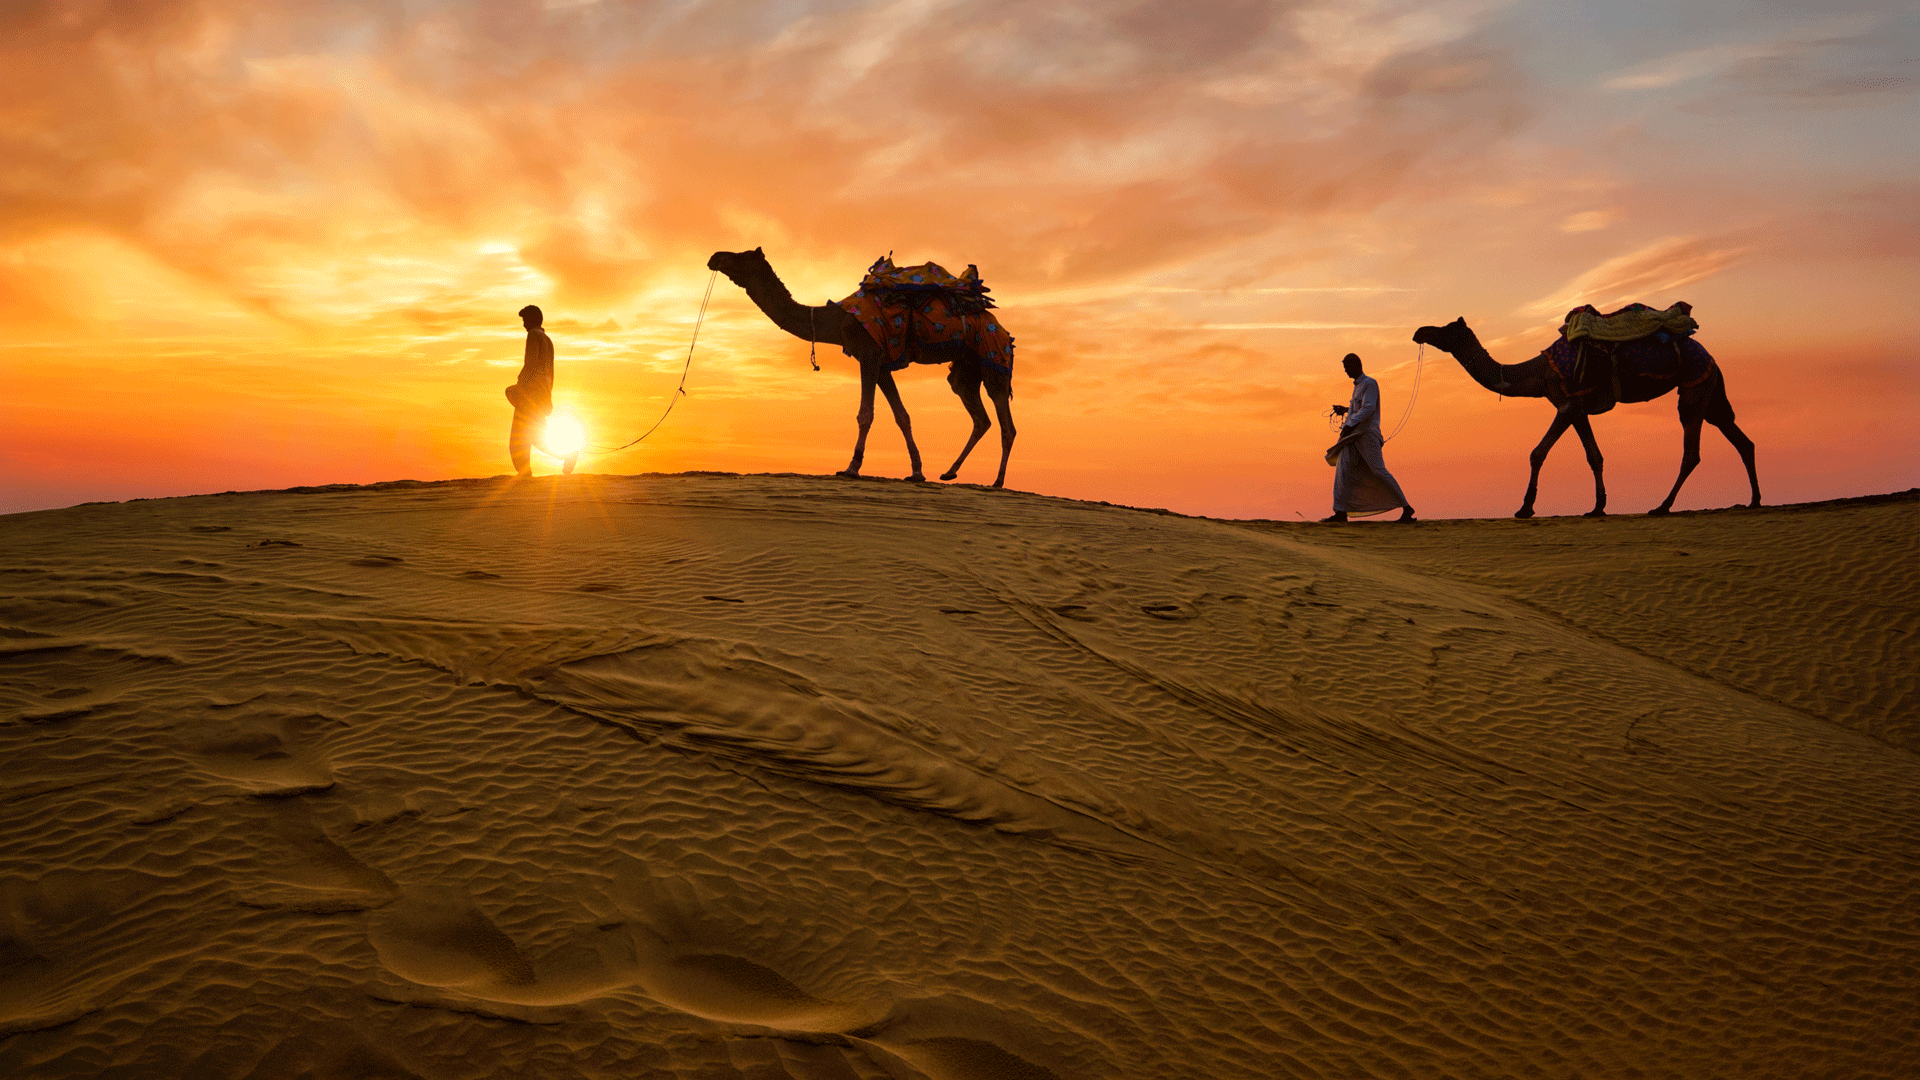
x=775 y=776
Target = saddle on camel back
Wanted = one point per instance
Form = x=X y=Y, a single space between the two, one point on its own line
x=925 y=315
x=1638 y=342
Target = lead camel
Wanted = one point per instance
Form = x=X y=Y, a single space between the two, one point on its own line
x=830 y=324
x=1704 y=401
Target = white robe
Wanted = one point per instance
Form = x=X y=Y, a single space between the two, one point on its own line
x=1361 y=483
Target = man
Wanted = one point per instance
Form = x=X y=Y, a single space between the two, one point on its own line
x=1361 y=483
x=532 y=398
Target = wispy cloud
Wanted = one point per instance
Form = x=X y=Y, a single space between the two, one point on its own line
x=1650 y=273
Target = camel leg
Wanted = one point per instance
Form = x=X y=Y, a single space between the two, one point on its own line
x=1583 y=426
x=866 y=421
x=1745 y=446
x=1689 y=457
x=1003 y=406
x=970 y=397
x=1561 y=421
x=900 y=417
x=1720 y=415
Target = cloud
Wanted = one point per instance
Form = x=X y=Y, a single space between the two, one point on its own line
x=1650 y=273
x=298 y=156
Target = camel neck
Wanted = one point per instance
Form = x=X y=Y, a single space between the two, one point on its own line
x=772 y=297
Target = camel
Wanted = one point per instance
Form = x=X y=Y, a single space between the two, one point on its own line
x=830 y=324
x=1706 y=400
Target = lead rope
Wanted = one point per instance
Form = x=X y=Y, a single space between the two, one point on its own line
x=681 y=390
x=1419 y=364
x=813 y=332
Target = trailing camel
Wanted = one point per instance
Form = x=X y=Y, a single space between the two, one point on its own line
x=1604 y=372
x=833 y=324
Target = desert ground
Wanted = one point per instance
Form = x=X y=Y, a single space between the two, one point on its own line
x=780 y=776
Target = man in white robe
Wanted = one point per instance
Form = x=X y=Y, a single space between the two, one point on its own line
x=1361 y=483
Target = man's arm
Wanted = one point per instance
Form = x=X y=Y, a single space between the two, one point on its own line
x=1368 y=404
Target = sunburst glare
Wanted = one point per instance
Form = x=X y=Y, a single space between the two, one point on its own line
x=565 y=435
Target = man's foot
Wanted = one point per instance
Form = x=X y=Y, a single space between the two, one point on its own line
x=1406 y=514
x=566 y=467
x=1339 y=518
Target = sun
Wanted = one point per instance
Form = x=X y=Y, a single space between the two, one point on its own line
x=564 y=435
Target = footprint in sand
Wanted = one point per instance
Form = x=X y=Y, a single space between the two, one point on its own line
x=209 y=528
x=376 y=560
x=277 y=544
x=595 y=586
x=479 y=575
x=306 y=871
x=941 y=1039
x=724 y=599
x=269 y=754
x=1169 y=612
x=437 y=936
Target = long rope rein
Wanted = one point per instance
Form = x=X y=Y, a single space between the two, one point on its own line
x=679 y=391
x=1419 y=365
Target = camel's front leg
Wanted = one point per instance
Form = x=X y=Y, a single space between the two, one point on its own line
x=866 y=421
x=899 y=417
x=1583 y=426
x=1689 y=457
x=1539 y=457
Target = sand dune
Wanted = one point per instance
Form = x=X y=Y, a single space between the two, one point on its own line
x=775 y=776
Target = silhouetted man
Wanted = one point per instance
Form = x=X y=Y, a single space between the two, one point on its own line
x=532 y=398
x=1361 y=483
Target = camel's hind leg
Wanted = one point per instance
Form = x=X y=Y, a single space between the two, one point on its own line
x=1689 y=459
x=1003 y=406
x=1561 y=421
x=1583 y=426
x=966 y=386
x=1720 y=415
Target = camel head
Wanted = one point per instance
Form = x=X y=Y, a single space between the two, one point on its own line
x=1448 y=338
x=734 y=263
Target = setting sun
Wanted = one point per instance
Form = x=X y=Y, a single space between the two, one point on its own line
x=565 y=435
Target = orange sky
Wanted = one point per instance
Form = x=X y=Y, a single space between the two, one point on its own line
x=252 y=246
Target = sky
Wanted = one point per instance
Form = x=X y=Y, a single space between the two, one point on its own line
x=249 y=245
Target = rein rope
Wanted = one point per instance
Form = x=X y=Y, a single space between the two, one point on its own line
x=1419 y=365
x=681 y=390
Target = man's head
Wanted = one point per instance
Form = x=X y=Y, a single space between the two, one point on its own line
x=1351 y=362
x=530 y=317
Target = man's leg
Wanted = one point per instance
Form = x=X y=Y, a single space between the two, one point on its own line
x=520 y=443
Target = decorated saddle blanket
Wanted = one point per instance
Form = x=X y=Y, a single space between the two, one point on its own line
x=1590 y=366
x=924 y=315
x=1629 y=323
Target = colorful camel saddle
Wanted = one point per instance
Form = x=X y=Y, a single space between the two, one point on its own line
x=924 y=315
x=1594 y=351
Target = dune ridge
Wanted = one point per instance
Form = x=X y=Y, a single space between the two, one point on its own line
x=778 y=776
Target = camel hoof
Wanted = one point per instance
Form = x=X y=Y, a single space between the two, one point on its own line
x=916 y=478
x=1524 y=512
x=1595 y=512
x=949 y=475
x=851 y=474
x=1658 y=511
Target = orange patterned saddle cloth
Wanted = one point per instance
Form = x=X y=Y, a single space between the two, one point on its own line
x=925 y=315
